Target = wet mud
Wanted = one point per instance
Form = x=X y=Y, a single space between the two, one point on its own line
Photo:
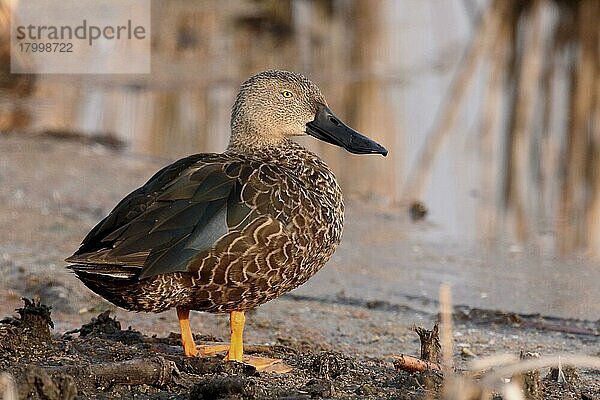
x=100 y=360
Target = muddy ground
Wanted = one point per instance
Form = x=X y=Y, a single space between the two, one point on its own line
x=338 y=332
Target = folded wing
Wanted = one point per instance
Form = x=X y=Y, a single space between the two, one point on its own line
x=180 y=213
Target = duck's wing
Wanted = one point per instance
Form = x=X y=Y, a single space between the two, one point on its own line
x=180 y=213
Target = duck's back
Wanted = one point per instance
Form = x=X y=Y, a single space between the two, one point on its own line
x=216 y=232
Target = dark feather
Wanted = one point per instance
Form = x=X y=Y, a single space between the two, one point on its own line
x=178 y=216
x=134 y=204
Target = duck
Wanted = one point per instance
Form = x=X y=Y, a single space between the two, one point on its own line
x=225 y=233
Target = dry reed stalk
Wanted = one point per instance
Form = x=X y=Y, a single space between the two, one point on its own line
x=520 y=134
x=490 y=130
x=446 y=336
x=164 y=118
x=593 y=215
x=549 y=142
x=370 y=49
x=447 y=340
x=451 y=107
x=572 y=221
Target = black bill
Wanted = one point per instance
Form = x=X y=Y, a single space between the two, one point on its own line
x=329 y=128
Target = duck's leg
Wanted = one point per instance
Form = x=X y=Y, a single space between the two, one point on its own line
x=187 y=340
x=236 y=348
x=237 y=319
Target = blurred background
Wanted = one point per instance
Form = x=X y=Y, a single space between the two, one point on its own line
x=490 y=110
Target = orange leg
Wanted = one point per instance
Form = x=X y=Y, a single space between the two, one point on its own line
x=187 y=340
x=236 y=347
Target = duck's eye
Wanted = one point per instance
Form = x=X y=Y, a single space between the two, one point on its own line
x=287 y=94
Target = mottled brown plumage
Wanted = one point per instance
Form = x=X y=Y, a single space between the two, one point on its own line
x=216 y=233
x=226 y=232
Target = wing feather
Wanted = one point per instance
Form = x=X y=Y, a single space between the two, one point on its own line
x=181 y=213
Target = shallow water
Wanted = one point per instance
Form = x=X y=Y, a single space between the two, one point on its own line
x=55 y=191
x=385 y=257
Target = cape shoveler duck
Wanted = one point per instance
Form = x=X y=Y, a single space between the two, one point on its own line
x=227 y=232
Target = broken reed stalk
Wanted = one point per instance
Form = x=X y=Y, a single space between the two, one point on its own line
x=452 y=105
x=428 y=366
x=430 y=343
x=430 y=353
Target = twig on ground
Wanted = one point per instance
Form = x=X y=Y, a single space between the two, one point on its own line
x=150 y=371
x=413 y=364
x=155 y=371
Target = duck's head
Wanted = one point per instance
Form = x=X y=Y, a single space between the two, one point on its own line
x=274 y=105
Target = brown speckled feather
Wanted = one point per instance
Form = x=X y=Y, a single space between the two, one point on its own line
x=216 y=232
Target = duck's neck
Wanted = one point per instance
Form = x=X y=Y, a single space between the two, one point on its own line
x=259 y=144
x=246 y=134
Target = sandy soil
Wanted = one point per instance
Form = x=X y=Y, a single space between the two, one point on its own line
x=354 y=314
